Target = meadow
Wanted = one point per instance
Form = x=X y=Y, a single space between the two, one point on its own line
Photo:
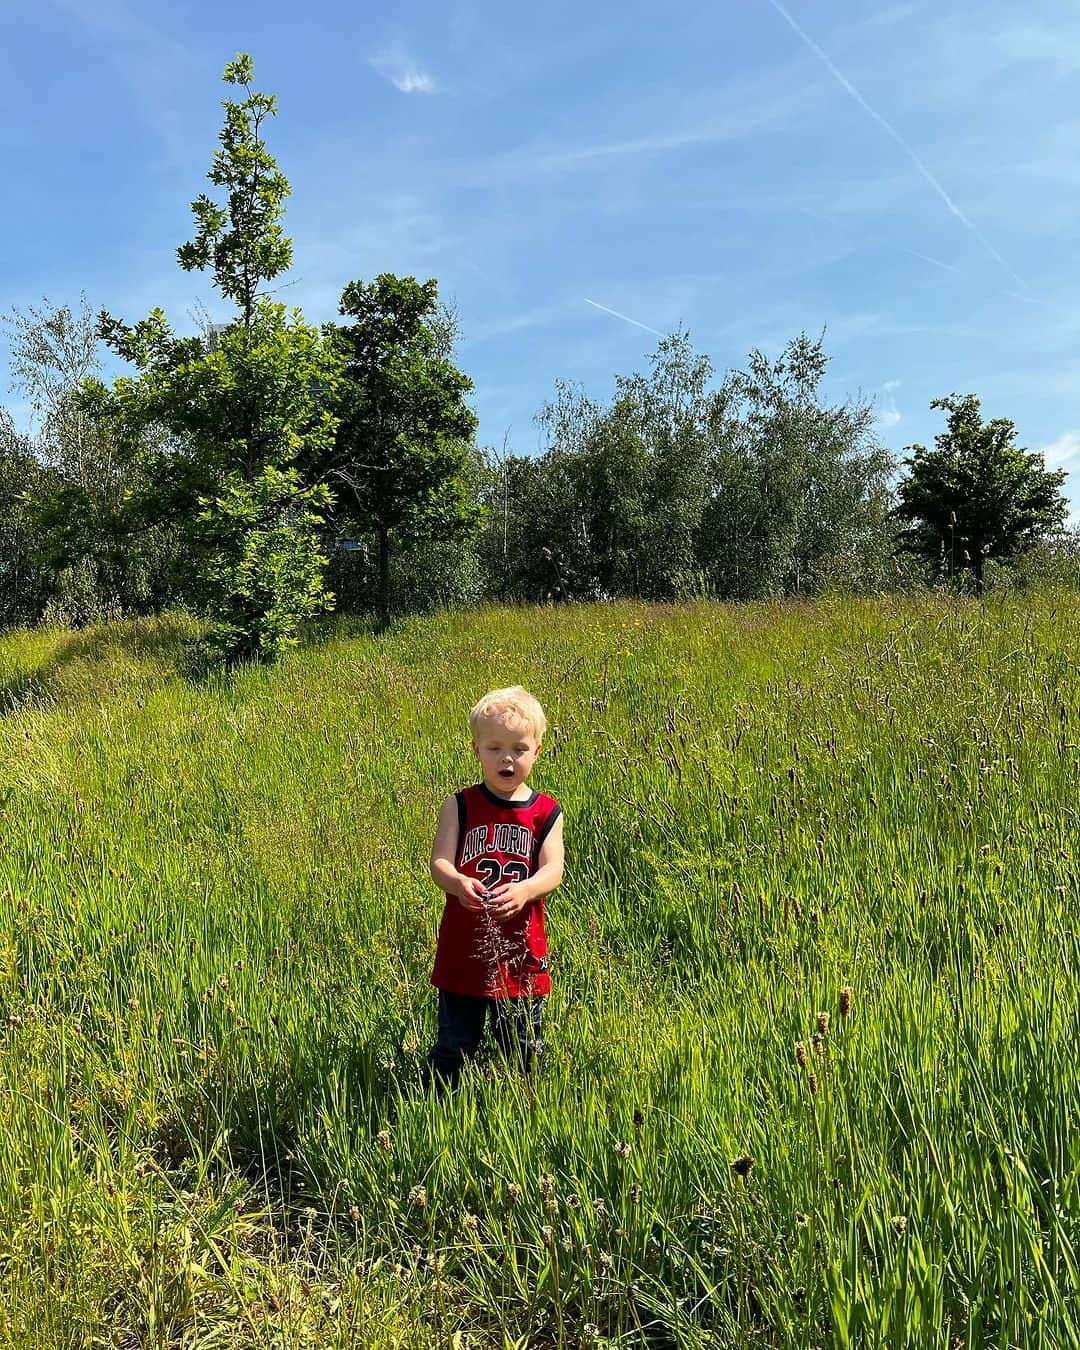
x=812 y=1053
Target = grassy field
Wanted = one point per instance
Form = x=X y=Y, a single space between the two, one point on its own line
x=813 y=1049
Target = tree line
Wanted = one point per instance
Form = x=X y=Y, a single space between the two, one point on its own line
x=267 y=470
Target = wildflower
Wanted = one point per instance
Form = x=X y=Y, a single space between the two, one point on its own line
x=354 y=1213
x=802 y=1220
x=742 y=1165
x=600 y=1208
x=383 y=1140
x=513 y=1193
x=605 y=1260
x=548 y=1235
x=635 y=1195
x=899 y=1224
x=811 y=1079
x=133 y=1004
x=623 y=1150
x=472 y=1223
x=310 y=1212
x=823 y=1023
x=418 y=1197
x=590 y=1331
x=845 y=1000
x=800 y=1054
x=818 y=1043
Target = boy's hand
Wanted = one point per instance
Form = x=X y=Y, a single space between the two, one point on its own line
x=470 y=892
x=507 y=899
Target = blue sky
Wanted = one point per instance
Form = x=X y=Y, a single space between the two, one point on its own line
x=903 y=173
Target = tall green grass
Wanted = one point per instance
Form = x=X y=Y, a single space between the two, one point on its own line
x=216 y=927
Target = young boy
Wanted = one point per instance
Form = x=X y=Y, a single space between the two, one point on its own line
x=498 y=852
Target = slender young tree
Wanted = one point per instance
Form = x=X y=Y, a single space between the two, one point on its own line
x=237 y=414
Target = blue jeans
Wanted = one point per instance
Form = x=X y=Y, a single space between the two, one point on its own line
x=515 y=1024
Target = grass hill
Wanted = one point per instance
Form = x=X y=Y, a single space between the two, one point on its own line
x=812 y=1067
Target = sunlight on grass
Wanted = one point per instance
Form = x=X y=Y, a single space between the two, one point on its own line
x=214 y=1002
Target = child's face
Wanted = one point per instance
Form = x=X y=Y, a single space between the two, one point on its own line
x=507 y=750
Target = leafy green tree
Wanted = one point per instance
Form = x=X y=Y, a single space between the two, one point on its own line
x=400 y=462
x=24 y=577
x=96 y=567
x=751 y=488
x=635 y=480
x=975 y=495
x=218 y=428
x=799 y=493
x=536 y=544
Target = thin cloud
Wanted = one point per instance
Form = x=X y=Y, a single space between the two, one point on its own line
x=156 y=67
x=750 y=111
x=1063 y=451
x=888 y=127
x=889 y=414
x=625 y=317
x=396 y=65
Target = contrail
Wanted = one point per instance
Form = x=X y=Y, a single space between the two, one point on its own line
x=925 y=257
x=625 y=317
x=891 y=130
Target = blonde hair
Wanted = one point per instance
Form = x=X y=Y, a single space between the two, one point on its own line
x=506 y=705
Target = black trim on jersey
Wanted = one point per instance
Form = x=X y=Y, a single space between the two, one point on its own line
x=459 y=797
x=538 y=842
x=501 y=801
x=556 y=813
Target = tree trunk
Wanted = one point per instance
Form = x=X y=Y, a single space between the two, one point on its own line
x=384 y=577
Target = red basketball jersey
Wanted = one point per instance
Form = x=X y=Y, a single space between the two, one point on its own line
x=497 y=841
